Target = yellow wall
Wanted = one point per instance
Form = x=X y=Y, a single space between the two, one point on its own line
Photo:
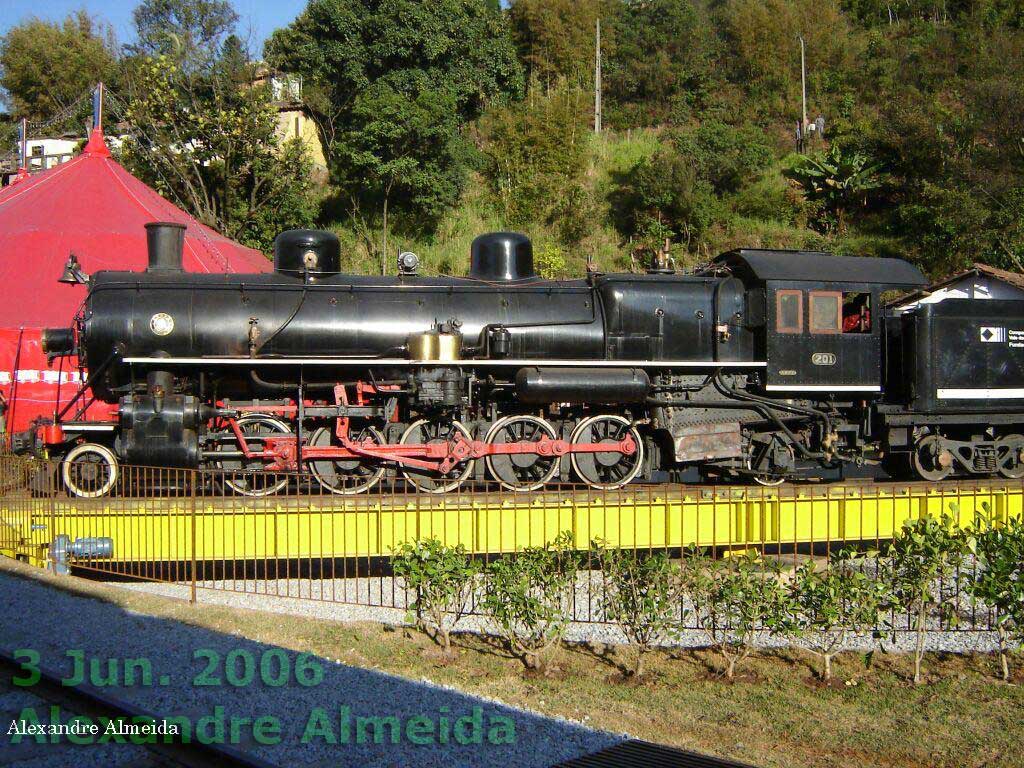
x=286 y=131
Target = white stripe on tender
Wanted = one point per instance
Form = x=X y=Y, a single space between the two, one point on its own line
x=1007 y=393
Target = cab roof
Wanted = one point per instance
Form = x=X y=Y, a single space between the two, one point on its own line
x=820 y=267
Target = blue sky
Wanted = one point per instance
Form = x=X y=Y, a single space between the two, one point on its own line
x=258 y=17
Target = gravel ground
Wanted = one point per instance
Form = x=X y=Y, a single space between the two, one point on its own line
x=370 y=599
x=60 y=621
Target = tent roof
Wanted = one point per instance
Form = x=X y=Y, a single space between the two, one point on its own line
x=93 y=207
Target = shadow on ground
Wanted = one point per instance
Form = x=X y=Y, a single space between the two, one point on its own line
x=51 y=621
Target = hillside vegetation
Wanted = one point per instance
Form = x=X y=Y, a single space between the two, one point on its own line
x=442 y=120
x=922 y=154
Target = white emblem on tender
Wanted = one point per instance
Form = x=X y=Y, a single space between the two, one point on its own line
x=823 y=358
x=161 y=324
x=992 y=334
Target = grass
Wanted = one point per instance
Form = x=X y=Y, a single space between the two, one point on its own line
x=777 y=715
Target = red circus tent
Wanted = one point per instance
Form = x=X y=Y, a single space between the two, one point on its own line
x=92 y=207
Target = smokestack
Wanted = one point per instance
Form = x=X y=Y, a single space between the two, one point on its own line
x=166 y=241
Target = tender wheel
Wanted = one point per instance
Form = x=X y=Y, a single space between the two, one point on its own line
x=610 y=469
x=89 y=470
x=249 y=477
x=1010 y=456
x=424 y=432
x=347 y=477
x=931 y=461
x=521 y=471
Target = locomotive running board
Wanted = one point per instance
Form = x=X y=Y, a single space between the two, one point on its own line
x=362 y=361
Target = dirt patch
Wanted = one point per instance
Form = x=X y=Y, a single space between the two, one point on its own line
x=835 y=684
x=550 y=672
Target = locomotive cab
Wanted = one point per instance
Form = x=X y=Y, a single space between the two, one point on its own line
x=823 y=323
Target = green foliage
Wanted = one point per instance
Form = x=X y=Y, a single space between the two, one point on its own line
x=839 y=179
x=45 y=66
x=833 y=602
x=998 y=579
x=391 y=87
x=207 y=139
x=663 y=197
x=402 y=154
x=726 y=156
x=536 y=153
x=919 y=557
x=442 y=579
x=555 y=38
x=661 y=69
x=529 y=598
x=549 y=261
x=733 y=600
x=190 y=32
x=641 y=596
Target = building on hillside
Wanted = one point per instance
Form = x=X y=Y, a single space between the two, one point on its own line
x=979 y=282
x=293 y=119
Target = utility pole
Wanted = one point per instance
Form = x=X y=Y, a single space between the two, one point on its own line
x=597 y=81
x=23 y=147
x=803 y=88
x=97 y=107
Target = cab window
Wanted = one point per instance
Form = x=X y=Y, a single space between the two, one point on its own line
x=826 y=314
x=789 y=312
x=856 y=312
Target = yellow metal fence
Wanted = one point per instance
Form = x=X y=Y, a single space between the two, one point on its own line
x=187 y=527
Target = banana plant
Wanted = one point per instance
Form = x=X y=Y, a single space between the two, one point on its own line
x=838 y=179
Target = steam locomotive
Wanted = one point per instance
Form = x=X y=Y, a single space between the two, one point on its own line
x=763 y=365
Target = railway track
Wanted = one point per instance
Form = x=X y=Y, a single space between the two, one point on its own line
x=90 y=702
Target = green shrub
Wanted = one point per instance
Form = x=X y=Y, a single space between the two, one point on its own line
x=832 y=603
x=733 y=599
x=924 y=552
x=529 y=597
x=998 y=580
x=442 y=579
x=549 y=260
x=641 y=597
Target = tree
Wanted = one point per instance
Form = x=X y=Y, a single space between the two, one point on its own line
x=924 y=553
x=392 y=87
x=662 y=66
x=45 y=67
x=733 y=600
x=442 y=579
x=998 y=580
x=641 y=597
x=207 y=138
x=556 y=38
x=529 y=597
x=832 y=603
x=662 y=197
x=761 y=40
x=839 y=180
x=536 y=154
x=406 y=154
x=190 y=32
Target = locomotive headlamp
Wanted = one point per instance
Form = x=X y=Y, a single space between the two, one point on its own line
x=408 y=263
